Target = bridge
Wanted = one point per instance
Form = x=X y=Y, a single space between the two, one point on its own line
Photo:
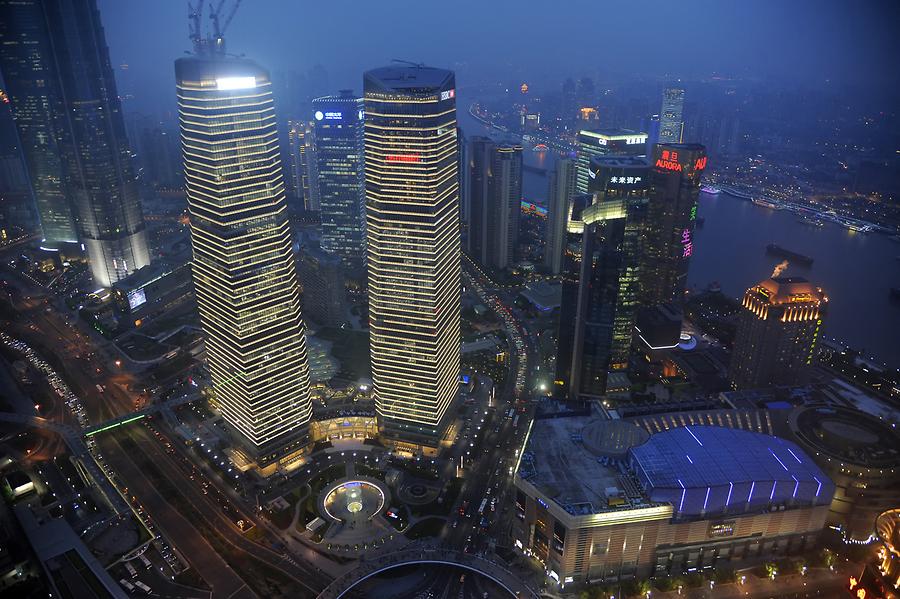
x=510 y=582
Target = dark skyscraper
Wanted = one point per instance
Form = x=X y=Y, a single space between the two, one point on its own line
x=495 y=188
x=605 y=142
x=412 y=213
x=778 y=328
x=672 y=212
x=595 y=337
x=56 y=66
x=338 y=152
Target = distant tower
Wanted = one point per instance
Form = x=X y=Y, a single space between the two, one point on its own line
x=60 y=81
x=671 y=122
x=245 y=275
x=303 y=165
x=561 y=192
x=495 y=175
x=338 y=141
x=778 y=328
x=412 y=213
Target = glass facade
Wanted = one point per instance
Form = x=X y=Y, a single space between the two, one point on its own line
x=495 y=194
x=671 y=122
x=71 y=86
x=412 y=213
x=338 y=141
x=245 y=275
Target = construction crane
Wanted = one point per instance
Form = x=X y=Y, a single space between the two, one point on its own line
x=215 y=42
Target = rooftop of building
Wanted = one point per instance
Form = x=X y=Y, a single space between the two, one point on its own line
x=789 y=290
x=579 y=467
x=616 y=161
x=409 y=77
x=847 y=434
x=612 y=133
x=714 y=456
x=545 y=296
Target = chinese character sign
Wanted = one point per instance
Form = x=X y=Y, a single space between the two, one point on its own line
x=687 y=244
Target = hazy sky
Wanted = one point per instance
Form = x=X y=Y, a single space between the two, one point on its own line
x=807 y=40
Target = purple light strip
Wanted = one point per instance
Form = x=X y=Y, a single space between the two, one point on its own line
x=750 y=496
x=795 y=455
x=730 y=489
x=689 y=458
x=819 y=489
x=779 y=460
x=683 y=491
x=705 y=501
x=796 y=486
x=772 y=494
x=688 y=429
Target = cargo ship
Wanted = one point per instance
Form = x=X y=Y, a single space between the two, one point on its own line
x=793 y=257
x=766 y=203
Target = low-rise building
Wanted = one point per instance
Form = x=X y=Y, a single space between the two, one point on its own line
x=606 y=500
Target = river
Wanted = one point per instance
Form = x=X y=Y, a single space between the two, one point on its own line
x=856 y=270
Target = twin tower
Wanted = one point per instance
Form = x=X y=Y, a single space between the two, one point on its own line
x=244 y=270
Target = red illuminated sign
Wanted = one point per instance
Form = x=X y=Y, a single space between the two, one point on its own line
x=403 y=158
x=700 y=164
x=669 y=161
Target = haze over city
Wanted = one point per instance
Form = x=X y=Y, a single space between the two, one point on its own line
x=579 y=300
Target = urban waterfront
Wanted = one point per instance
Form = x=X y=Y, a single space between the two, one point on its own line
x=856 y=270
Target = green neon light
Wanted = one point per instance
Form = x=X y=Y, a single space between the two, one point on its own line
x=109 y=426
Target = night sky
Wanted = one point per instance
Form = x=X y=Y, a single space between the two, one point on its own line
x=793 y=42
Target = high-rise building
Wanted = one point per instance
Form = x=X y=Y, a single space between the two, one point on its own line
x=596 y=321
x=303 y=165
x=59 y=78
x=324 y=289
x=672 y=213
x=338 y=141
x=778 y=328
x=671 y=122
x=668 y=238
x=245 y=275
x=604 y=142
x=561 y=192
x=495 y=188
x=412 y=214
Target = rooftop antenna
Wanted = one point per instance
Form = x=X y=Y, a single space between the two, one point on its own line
x=195 y=13
x=214 y=43
x=218 y=37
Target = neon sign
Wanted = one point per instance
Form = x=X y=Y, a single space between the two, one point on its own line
x=626 y=180
x=700 y=163
x=403 y=158
x=687 y=244
x=694 y=212
x=669 y=161
x=449 y=94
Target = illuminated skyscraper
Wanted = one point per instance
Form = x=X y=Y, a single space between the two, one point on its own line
x=412 y=213
x=495 y=195
x=245 y=275
x=671 y=122
x=562 y=190
x=778 y=328
x=605 y=142
x=303 y=167
x=60 y=81
x=598 y=310
x=338 y=142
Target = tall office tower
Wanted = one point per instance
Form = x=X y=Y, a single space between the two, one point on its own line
x=777 y=332
x=412 y=213
x=303 y=165
x=560 y=194
x=58 y=75
x=653 y=126
x=671 y=215
x=569 y=100
x=671 y=122
x=323 y=287
x=245 y=276
x=338 y=141
x=604 y=142
x=596 y=321
x=495 y=188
